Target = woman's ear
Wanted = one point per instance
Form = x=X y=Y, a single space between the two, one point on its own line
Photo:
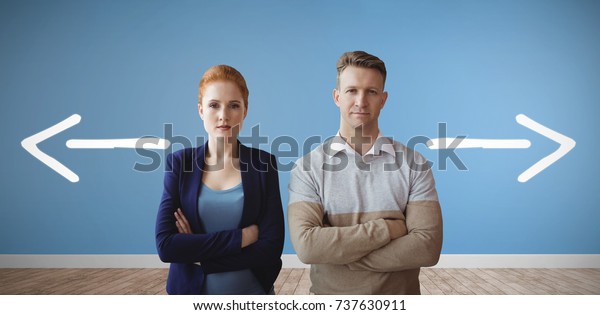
x=200 y=111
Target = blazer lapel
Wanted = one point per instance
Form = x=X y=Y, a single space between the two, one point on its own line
x=196 y=183
x=250 y=184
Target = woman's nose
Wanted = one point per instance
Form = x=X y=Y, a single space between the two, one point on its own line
x=223 y=115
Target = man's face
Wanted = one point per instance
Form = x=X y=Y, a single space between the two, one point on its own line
x=360 y=97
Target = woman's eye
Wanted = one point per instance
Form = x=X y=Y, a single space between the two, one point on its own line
x=213 y=105
x=234 y=105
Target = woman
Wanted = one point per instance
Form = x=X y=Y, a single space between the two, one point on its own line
x=220 y=220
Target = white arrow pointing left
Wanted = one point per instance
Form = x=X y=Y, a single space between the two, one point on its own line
x=30 y=144
x=133 y=143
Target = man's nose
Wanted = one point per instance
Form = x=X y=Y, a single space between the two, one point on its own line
x=361 y=99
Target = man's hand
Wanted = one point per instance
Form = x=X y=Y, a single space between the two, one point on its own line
x=183 y=226
x=397 y=228
x=249 y=235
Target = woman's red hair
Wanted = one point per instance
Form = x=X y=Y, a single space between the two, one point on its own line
x=224 y=73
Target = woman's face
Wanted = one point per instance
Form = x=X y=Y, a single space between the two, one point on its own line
x=222 y=109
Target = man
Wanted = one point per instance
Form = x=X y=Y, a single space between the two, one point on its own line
x=363 y=209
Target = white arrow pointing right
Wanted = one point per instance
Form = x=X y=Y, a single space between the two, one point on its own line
x=470 y=143
x=566 y=145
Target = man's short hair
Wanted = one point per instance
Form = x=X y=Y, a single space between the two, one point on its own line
x=359 y=59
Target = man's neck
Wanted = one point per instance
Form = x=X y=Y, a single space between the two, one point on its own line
x=360 y=139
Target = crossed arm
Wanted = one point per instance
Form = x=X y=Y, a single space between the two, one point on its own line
x=259 y=244
x=318 y=243
x=381 y=245
x=252 y=254
x=421 y=247
x=249 y=234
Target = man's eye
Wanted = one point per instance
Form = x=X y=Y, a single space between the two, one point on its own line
x=351 y=91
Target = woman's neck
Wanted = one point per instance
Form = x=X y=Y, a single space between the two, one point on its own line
x=222 y=149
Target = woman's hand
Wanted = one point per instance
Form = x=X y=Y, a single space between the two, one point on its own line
x=183 y=226
x=249 y=235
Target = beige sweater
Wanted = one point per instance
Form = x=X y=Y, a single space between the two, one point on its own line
x=338 y=205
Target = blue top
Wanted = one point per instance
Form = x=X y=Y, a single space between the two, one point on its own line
x=219 y=251
x=221 y=210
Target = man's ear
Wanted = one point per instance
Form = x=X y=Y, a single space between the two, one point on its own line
x=385 y=96
x=336 y=97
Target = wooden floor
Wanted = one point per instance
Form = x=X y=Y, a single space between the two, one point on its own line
x=297 y=281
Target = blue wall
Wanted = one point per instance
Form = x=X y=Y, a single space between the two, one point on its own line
x=129 y=67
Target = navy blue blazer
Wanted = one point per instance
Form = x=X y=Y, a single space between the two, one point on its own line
x=219 y=251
